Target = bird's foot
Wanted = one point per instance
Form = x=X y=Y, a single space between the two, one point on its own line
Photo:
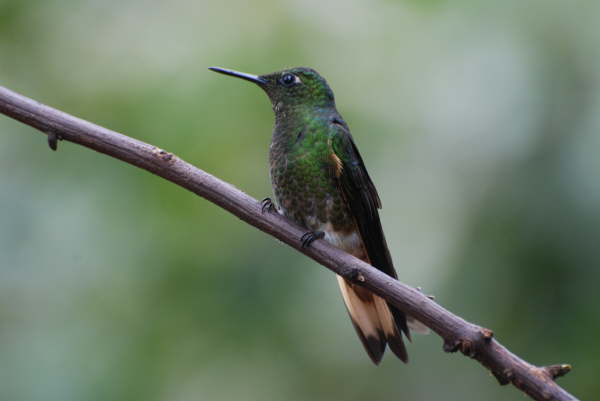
x=267 y=205
x=310 y=236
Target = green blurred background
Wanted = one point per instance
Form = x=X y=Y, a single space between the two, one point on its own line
x=477 y=120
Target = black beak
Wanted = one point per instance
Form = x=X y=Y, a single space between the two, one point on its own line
x=248 y=77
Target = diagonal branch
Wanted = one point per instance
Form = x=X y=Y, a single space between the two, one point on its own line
x=458 y=334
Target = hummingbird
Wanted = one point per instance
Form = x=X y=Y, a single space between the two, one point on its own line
x=320 y=181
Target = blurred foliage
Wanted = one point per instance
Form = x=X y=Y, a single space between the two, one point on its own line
x=478 y=121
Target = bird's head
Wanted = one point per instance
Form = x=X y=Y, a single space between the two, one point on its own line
x=290 y=88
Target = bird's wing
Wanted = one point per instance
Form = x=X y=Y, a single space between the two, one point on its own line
x=361 y=196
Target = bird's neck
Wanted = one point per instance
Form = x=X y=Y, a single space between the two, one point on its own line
x=293 y=121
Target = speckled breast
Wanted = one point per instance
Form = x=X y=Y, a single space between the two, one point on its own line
x=306 y=188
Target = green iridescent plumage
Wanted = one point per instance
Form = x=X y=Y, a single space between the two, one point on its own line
x=320 y=181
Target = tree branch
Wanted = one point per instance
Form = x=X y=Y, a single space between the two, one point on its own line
x=458 y=334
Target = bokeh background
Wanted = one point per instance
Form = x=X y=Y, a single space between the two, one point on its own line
x=479 y=122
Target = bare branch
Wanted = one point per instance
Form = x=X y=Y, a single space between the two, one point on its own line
x=458 y=335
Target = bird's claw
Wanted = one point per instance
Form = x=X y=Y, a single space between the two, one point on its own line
x=266 y=205
x=311 y=236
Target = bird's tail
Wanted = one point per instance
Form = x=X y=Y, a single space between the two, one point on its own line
x=376 y=322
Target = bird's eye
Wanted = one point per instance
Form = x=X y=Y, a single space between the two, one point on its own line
x=288 y=79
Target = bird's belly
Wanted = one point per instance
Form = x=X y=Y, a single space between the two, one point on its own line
x=316 y=211
x=307 y=192
x=348 y=240
x=328 y=214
